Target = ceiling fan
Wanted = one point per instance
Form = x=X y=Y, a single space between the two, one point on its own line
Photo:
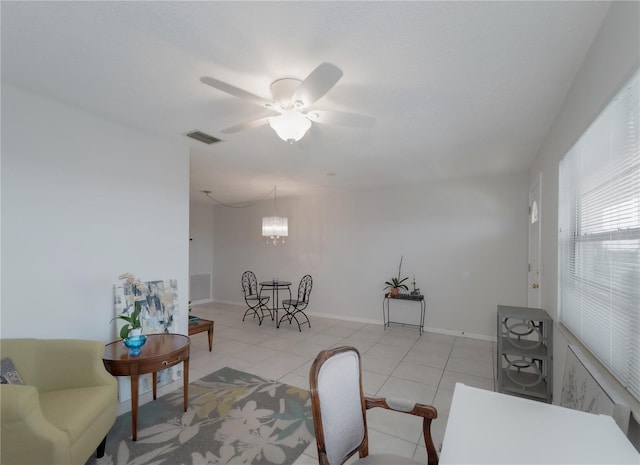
x=292 y=99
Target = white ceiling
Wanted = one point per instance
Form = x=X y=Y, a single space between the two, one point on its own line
x=458 y=89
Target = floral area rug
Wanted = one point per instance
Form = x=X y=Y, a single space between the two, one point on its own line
x=233 y=418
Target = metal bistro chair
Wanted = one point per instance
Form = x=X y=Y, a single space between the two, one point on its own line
x=295 y=308
x=255 y=302
x=339 y=411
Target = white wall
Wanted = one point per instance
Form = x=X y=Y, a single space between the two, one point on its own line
x=613 y=57
x=83 y=200
x=465 y=242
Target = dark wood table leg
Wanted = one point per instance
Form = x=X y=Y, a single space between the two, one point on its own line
x=155 y=384
x=185 y=385
x=134 y=406
x=210 y=333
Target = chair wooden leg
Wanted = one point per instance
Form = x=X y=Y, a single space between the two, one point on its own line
x=101 y=448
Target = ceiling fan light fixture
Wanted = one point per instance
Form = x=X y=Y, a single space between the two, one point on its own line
x=290 y=126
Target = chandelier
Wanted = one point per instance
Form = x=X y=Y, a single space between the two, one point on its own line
x=275 y=228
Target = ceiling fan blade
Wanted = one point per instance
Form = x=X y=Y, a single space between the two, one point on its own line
x=248 y=125
x=232 y=90
x=341 y=118
x=318 y=83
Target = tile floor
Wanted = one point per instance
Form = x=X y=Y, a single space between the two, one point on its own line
x=397 y=362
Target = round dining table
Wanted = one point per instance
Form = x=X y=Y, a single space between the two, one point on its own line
x=275 y=287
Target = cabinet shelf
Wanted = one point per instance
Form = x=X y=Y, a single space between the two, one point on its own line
x=539 y=390
x=525 y=354
x=524 y=347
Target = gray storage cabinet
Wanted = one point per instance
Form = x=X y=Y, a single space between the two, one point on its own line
x=525 y=352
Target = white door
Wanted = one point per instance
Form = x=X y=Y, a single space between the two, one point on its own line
x=535 y=272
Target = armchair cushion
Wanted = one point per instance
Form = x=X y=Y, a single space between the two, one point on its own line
x=66 y=406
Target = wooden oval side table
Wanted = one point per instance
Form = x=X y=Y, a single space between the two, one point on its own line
x=161 y=351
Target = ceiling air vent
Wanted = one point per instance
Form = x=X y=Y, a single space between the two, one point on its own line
x=202 y=137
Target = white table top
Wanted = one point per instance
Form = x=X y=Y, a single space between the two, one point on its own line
x=493 y=428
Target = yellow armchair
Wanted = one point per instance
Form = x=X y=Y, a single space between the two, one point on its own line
x=64 y=409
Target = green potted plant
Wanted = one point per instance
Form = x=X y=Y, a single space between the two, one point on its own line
x=133 y=326
x=396 y=283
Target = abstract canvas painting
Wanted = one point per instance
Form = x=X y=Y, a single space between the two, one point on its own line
x=160 y=313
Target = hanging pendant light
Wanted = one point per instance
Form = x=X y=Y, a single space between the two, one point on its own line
x=275 y=228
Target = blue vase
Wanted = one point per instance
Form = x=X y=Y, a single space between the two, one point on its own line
x=135 y=343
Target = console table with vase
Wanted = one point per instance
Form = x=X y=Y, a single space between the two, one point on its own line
x=159 y=352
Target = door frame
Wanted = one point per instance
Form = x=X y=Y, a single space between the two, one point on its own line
x=534 y=273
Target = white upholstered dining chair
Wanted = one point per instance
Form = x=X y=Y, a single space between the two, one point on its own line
x=339 y=411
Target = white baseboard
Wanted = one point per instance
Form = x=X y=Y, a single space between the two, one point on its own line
x=335 y=316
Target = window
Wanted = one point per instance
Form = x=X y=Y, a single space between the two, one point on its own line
x=599 y=237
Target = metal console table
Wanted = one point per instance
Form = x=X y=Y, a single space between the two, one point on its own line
x=414 y=298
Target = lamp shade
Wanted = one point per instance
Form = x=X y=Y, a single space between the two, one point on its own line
x=290 y=126
x=275 y=228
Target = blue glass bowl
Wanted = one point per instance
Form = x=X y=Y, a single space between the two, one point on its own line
x=135 y=343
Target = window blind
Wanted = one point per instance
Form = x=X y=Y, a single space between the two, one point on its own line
x=599 y=237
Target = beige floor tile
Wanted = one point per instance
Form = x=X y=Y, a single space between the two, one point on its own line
x=425 y=358
x=306 y=348
x=326 y=340
x=376 y=364
x=480 y=354
x=362 y=346
x=419 y=373
x=295 y=380
x=255 y=354
x=368 y=335
x=473 y=343
x=397 y=340
x=472 y=367
x=442 y=402
x=279 y=343
x=339 y=331
x=278 y=366
x=303 y=370
x=381 y=443
x=450 y=378
x=443 y=348
x=410 y=390
x=391 y=352
x=400 y=425
x=230 y=346
x=372 y=382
